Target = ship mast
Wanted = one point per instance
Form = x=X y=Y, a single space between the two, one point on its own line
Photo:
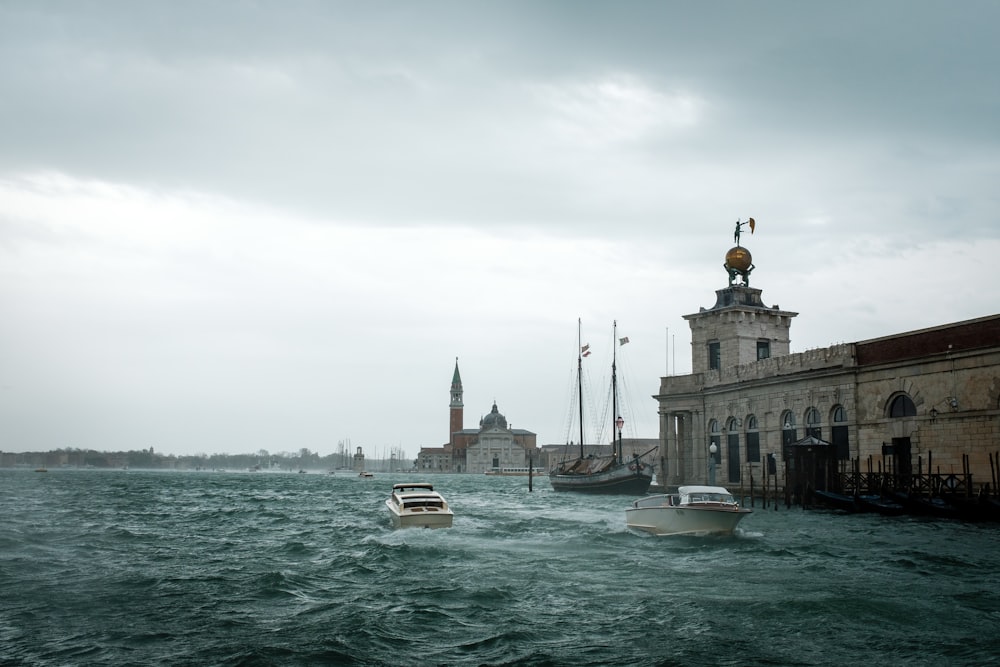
x=616 y=447
x=579 y=377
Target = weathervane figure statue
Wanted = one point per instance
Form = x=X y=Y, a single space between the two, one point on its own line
x=739 y=229
x=739 y=262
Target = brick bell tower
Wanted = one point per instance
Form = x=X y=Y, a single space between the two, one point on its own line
x=457 y=422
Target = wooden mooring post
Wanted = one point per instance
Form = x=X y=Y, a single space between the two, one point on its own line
x=765 y=485
x=993 y=477
x=768 y=491
x=531 y=471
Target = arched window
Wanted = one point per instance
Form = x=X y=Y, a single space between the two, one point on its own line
x=733 y=448
x=788 y=435
x=839 y=433
x=813 y=423
x=902 y=406
x=753 y=440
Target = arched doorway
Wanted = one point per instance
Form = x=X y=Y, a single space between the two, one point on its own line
x=900 y=406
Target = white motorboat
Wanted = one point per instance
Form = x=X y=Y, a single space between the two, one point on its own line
x=418 y=505
x=693 y=510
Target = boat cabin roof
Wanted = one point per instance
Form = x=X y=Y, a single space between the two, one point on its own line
x=687 y=490
x=422 y=486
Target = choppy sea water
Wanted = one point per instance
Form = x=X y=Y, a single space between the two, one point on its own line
x=206 y=568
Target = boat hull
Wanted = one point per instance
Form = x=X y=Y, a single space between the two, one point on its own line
x=621 y=480
x=880 y=505
x=924 y=506
x=838 y=501
x=420 y=517
x=665 y=520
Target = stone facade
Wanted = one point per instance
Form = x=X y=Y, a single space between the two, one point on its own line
x=497 y=446
x=434 y=459
x=921 y=401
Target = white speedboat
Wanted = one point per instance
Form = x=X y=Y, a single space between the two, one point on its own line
x=418 y=505
x=693 y=510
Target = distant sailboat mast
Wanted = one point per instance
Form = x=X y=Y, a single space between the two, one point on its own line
x=615 y=443
x=579 y=376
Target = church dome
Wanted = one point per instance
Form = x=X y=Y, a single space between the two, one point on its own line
x=493 y=420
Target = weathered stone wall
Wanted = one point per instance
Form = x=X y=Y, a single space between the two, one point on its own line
x=956 y=394
x=957 y=399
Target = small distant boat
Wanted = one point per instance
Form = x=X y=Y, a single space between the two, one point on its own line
x=514 y=472
x=364 y=473
x=42 y=469
x=418 y=505
x=693 y=510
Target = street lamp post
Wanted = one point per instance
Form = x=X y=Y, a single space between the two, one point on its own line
x=712 y=449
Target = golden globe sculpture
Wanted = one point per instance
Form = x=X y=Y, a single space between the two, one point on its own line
x=739 y=262
x=739 y=258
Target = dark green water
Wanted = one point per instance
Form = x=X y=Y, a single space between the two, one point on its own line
x=156 y=568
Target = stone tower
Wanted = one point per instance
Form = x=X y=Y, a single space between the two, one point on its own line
x=739 y=328
x=457 y=422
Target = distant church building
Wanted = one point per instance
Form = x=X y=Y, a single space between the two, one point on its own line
x=492 y=445
x=899 y=405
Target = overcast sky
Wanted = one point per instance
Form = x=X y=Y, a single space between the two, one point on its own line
x=233 y=226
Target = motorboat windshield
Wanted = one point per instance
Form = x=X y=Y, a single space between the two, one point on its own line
x=706 y=497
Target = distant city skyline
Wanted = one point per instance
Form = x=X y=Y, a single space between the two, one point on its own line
x=250 y=461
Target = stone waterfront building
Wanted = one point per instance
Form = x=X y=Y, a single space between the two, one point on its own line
x=922 y=401
x=493 y=445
